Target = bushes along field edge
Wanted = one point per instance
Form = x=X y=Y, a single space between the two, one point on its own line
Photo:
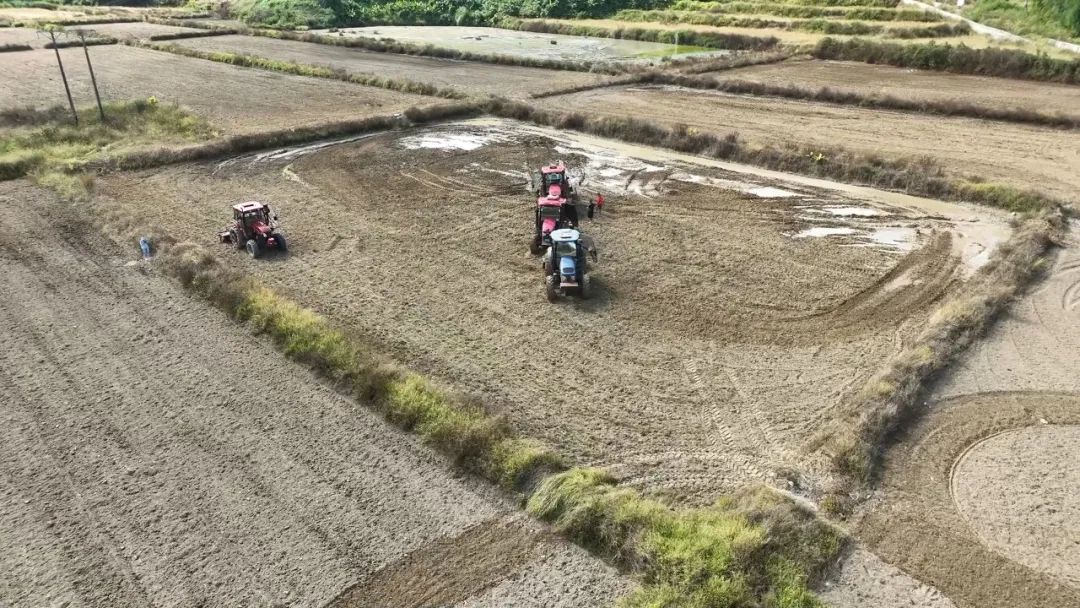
x=892 y=396
x=686 y=37
x=387 y=45
x=916 y=176
x=300 y=69
x=960 y=59
x=758 y=547
x=884 y=102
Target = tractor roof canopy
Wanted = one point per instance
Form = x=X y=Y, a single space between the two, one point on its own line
x=565 y=235
x=558 y=167
x=248 y=206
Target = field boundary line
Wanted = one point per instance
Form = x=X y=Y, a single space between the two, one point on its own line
x=874 y=102
x=302 y=69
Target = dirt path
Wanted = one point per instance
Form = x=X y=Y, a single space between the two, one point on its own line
x=236 y=100
x=153 y=453
x=1043 y=158
x=467 y=76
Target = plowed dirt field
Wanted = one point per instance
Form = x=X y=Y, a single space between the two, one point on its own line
x=723 y=332
x=154 y=453
x=1019 y=155
x=236 y=100
x=467 y=76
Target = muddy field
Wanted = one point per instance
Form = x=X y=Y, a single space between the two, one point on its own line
x=468 y=76
x=732 y=315
x=1018 y=155
x=523 y=44
x=154 y=453
x=915 y=84
x=236 y=100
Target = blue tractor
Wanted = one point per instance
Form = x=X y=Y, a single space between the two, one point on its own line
x=566 y=264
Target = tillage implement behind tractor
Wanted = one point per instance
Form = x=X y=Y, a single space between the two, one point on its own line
x=556 y=206
x=254 y=228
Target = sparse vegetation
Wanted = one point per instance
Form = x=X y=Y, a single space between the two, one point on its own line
x=886 y=102
x=824 y=26
x=864 y=13
x=854 y=444
x=95 y=41
x=1004 y=63
x=53 y=148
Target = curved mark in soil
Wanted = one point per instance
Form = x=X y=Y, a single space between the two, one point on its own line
x=917 y=527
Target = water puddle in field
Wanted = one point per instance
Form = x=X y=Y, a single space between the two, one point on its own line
x=849 y=211
x=447 y=141
x=822 y=231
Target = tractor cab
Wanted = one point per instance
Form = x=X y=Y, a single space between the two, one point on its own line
x=566 y=264
x=554 y=175
x=253 y=216
x=254 y=228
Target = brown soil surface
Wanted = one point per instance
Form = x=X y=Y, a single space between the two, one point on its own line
x=20 y=35
x=1017 y=491
x=154 y=453
x=235 y=100
x=915 y=523
x=716 y=345
x=1034 y=347
x=1018 y=155
x=864 y=581
x=915 y=84
x=469 y=76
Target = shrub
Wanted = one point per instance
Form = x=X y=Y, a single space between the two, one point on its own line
x=957 y=59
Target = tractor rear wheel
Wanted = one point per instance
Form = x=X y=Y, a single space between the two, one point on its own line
x=253 y=248
x=549 y=288
x=535 y=246
x=237 y=242
x=585 y=288
x=280 y=240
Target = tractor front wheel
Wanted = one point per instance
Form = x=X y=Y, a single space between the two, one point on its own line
x=280 y=240
x=253 y=248
x=550 y=289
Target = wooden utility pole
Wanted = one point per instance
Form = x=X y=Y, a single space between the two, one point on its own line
x=63 y=76
x=93 y=80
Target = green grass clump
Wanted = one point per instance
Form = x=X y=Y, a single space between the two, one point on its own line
x=302 y=334
x=466 y=433
x=58 y=145
x=755 y=549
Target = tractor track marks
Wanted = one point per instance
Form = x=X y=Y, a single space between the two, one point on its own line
x=154 y=453
x=703 y=361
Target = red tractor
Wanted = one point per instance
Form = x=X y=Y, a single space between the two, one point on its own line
x=556 y=206
x=253 y=228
